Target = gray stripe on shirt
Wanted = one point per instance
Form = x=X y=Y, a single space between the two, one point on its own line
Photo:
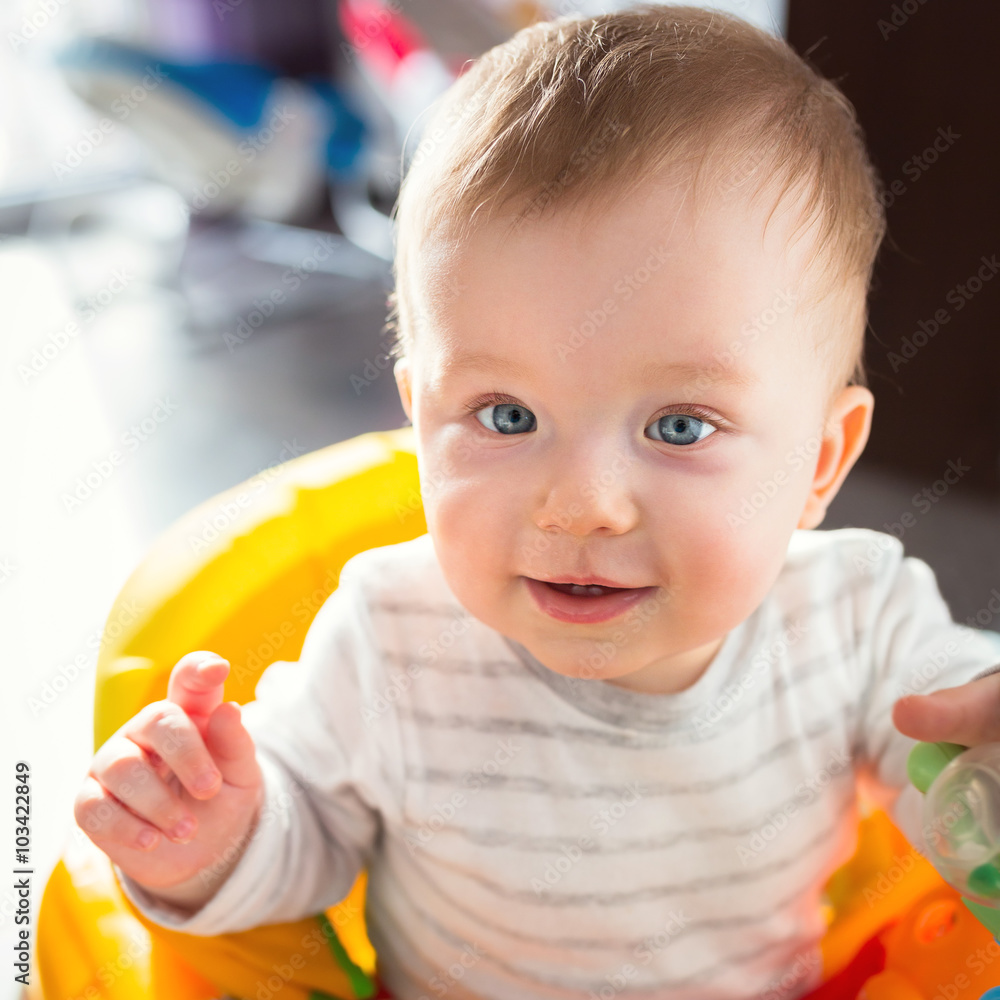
x=648 y=894
x=706 y=973
x=603 y=943
x=528 y=843
x=572 y=790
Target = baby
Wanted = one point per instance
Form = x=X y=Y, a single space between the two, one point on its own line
x=561 y=728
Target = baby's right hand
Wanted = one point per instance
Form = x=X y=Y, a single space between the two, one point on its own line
x=185 y=759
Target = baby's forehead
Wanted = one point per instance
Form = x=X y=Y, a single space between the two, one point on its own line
x=489 y=296
x=676 y=199
x=718 y=242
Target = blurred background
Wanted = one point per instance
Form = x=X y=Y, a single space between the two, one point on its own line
x=195 y=258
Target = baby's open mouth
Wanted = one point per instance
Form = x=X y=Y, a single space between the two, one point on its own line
x=584 y=590
x=583 y=603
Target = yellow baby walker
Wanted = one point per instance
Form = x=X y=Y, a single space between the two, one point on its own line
x=244 y=579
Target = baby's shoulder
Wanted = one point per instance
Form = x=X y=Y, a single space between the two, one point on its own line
x=838 y=560
x=398 y=575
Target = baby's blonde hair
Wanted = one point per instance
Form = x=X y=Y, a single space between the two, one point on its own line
x=591 y=108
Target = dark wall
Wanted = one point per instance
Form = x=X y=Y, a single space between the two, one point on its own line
x=920 y=73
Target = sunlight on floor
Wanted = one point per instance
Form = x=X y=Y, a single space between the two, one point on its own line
x=56 y=433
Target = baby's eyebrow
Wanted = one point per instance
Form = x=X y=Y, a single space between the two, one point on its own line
x=714 y=373
x=490 y=364
x=688 y=372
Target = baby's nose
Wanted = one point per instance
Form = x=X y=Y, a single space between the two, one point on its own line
x=590 y=496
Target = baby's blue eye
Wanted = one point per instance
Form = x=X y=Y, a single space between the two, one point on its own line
x=509 y=418
x=681 y=428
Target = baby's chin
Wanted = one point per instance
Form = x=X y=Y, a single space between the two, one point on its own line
x=646 y=652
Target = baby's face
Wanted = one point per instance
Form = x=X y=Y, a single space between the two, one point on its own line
x=629 y=397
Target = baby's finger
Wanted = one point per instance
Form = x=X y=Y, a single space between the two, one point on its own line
x=108 y=823
x=120 y=766
x=232 y=746
x=165 y=729
x=968 y=714
x=196 y=683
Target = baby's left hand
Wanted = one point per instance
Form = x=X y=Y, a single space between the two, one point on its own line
x=968 y=714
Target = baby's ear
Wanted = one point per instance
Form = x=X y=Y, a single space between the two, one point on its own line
x=401 y=369
x=847 y=427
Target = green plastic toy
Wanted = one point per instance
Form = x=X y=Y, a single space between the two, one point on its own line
x=961 y=788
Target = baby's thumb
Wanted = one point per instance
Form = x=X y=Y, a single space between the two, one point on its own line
x=232 y=747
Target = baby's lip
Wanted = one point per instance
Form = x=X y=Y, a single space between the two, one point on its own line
x=580 y=609
x=599 y=581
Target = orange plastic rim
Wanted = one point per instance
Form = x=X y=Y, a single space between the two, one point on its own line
x=935 y=921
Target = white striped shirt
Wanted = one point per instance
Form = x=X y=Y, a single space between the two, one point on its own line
x=530 y=836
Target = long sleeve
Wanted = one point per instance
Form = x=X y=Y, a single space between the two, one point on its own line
x=909 y=645
x=321 y=727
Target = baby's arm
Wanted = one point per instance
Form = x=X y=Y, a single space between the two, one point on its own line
x=910 y=647
x=321 y=792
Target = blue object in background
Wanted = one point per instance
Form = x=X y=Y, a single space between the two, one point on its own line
x=237 y=91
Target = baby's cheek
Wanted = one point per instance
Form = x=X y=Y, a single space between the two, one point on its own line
x=732 y=553
x=470 y=523
x=767 y=501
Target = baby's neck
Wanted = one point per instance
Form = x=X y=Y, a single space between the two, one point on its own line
x=671 y=675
